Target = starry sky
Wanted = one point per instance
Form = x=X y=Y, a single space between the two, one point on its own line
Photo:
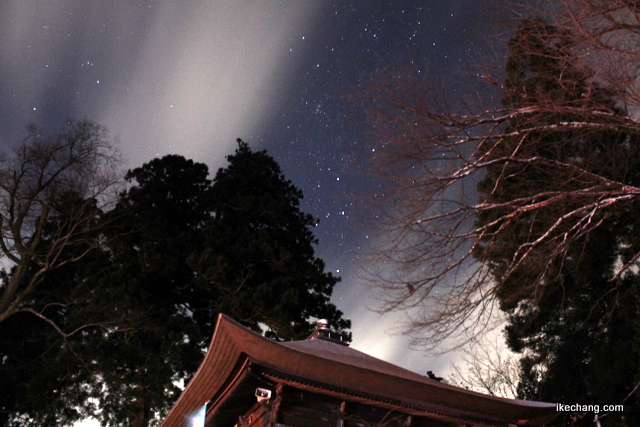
x=191 y=76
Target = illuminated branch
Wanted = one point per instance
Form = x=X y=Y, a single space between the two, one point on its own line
x=41 y=230
x=482 y=200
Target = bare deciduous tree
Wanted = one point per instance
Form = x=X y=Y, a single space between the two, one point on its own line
x=488 y=367
x=40 y=232
x=489 y=203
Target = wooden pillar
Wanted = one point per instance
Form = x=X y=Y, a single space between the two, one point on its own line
x=275 y=406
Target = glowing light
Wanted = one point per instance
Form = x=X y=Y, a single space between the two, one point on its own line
x=223 y=69
x=198 y=419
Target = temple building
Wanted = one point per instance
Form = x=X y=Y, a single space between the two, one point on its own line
x=248 y=380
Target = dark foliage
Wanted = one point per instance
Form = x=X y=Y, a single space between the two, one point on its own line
x=258 y=261
x=176 y=250
x=43 y=381
x=573 y=321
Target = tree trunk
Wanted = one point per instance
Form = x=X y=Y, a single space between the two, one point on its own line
x=142 y=416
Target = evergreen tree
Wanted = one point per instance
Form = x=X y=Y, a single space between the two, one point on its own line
x=553 y=237
x=177 y=250
x=571 y=320
x=146 y=285
x=258 y=262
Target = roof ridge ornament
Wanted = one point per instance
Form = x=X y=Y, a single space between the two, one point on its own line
x=323 y=332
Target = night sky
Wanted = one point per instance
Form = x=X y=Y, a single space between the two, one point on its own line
x=191 y=76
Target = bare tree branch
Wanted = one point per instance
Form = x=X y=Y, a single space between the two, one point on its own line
x=53 y=324
x=553 y=164
x=80 y=162
x=488 y=367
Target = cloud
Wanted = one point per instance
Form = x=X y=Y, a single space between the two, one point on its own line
x=184 y=77
x=206 y=75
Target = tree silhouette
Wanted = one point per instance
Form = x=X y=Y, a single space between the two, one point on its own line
x=562 y=319
x=259 y=263
x=177 y=250
x=529 y=207
x=79 y=161
x=53 y=190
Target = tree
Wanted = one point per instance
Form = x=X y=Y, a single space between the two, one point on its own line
x=53 y=189
x=529 y=207
x=181 y=250
x=487 y=367
x=605 y=34
x=146 y=287
x=78 y=162
x=259 y=264
x=574 y=313
x=42 y=379
x=433 y=234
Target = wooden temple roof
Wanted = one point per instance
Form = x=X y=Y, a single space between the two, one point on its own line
x=326 y=367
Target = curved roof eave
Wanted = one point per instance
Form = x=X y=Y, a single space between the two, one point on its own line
x=338 y=366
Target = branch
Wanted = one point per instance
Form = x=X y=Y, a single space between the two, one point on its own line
x=57 y=328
